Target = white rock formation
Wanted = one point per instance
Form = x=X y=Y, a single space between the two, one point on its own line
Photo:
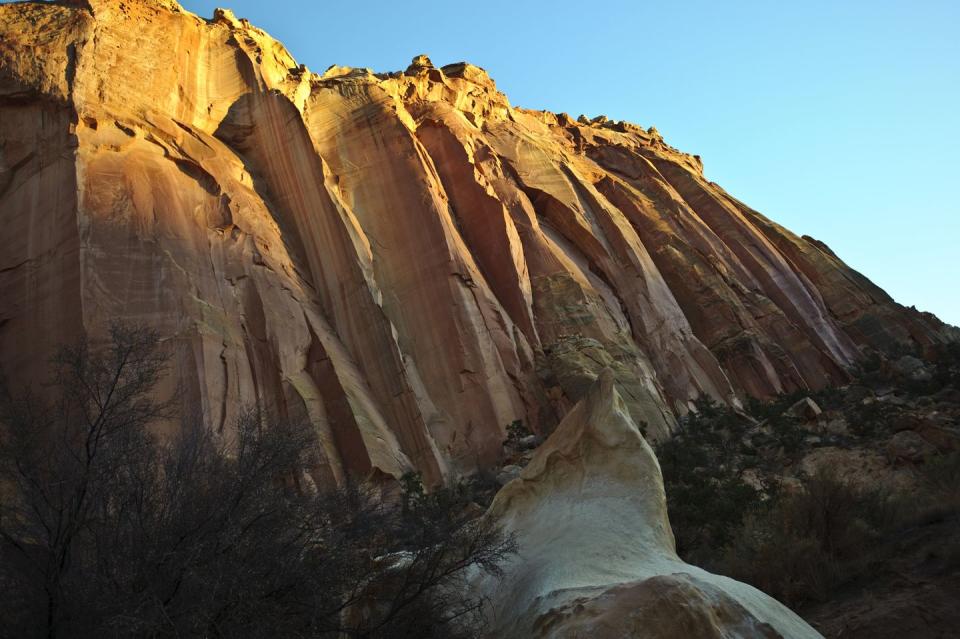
x=597 y=555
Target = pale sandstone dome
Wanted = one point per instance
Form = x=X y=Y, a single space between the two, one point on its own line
x=597 y=557
x=406 y=258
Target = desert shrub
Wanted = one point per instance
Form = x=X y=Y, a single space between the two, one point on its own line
x=703 y=466
x=106 y=531
x=769 y=409
x=772 y=559
x=804 y=544
x=829 y=398
x=872 y=420
x=947 y=366
x=942 y=476
x=787 y=434
x=516 y=431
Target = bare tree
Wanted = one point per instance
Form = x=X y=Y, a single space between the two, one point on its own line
x=106 y=532
x=63 y=449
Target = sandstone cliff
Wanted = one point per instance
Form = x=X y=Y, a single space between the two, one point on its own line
x=405 y=258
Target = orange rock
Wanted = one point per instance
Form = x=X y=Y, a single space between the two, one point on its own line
x=406 y=258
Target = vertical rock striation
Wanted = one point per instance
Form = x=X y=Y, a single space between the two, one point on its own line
x=404 y=258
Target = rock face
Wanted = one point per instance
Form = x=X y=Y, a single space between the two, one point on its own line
x=597 y=556
x=404 y=258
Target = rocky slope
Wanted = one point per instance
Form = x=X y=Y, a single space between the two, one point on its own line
x=405 y=258
x=843 y=504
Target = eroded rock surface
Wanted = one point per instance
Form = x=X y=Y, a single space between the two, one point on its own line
x=597 y=556
x=406 y=258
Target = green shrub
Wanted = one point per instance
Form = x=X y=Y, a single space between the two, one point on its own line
x=516 y=431
x=703 y=466
x=788 y=434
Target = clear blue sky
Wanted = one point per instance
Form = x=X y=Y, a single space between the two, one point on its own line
x=838 y=119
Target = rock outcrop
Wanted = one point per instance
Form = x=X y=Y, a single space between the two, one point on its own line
x=405 y=258
x=597 y=556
